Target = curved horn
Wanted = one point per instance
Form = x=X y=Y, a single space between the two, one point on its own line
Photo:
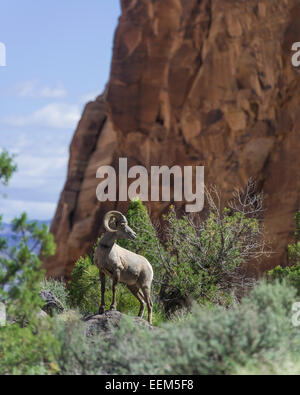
x=108 y=217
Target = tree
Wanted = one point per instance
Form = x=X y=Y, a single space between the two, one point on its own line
x=20 y=267
x=7 y=167
x=205 y=255
x=84 y=289
x=26 y=343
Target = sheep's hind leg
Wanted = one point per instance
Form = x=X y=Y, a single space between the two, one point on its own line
x=102 y=306
x=147 y=297
x=135 y=291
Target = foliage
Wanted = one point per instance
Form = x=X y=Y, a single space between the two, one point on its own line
x=26 y=346
x=201 y=258
x=255 y=333
x=204 y=255
x=84 y=288
x=294 y=249
x=290 y=273
x=7 y=167
x=20 y=269
x=208 y=341
x=59 y=290
x=26 y=343
x=288 y=365
x=29 y=350
x=78 y=355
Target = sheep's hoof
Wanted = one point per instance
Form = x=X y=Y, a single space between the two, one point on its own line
x=101 y=310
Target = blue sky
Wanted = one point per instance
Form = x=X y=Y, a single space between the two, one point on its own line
x=58 y=58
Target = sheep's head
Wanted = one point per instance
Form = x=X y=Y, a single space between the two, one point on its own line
x=116 y=222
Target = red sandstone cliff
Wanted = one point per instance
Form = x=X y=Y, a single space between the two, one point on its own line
x=192 y=82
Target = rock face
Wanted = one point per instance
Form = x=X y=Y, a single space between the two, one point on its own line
x=193 y=82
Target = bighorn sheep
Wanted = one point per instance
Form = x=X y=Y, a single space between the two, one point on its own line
x=122 y=265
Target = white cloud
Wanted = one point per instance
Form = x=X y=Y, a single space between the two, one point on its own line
x=55 y=115
x=32 y=89
x=24 y=89
x=36 y=171
x=34 y=209
x=42 y=160
x=53 y=93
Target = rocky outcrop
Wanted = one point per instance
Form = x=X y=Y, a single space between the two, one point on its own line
x=193 y=82
x=110 y=320
x=51 y=303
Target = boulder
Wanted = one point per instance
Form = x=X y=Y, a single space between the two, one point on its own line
x=104 y=323
x=2 y=314
x=52 y=304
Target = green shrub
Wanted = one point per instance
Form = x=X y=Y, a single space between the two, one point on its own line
x=78 y=355
x=294 y=249
x=203 y=256
x=199 y=261
x=29 y=350
x=84 y=288
x=288 y=365
x=290 y=273
x=59 y=290
x=208 y=341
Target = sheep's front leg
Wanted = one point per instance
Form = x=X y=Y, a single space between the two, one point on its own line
x=116 y=280
x=102 y=306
